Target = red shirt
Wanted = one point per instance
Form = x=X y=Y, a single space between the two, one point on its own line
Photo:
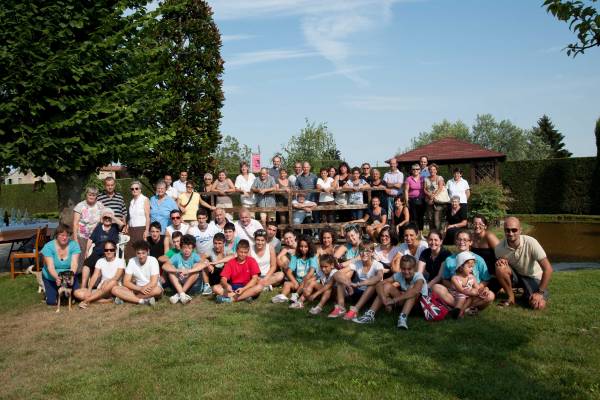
x=240 y=274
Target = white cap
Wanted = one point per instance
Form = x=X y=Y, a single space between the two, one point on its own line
x=463 y=257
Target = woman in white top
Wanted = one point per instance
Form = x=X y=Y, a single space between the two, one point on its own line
x=327 y=186
x=243 y=184
x=111 y=269
x=412 y=246
x=138 y=225
x=385 y=250
x=266 y=259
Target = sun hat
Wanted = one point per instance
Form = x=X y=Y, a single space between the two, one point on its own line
x=463 y=257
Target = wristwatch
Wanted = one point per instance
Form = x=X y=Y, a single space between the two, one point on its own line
x=542 y=292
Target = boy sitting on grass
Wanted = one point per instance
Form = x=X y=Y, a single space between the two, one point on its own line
x=140 y=284
x=411 y=285
x=215 y=261
x=239 y=278
x=183 y=269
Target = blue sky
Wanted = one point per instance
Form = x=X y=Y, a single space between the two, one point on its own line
x=378 y=72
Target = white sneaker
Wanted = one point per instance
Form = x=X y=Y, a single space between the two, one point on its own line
x=151 y=301
x=316 y=310
x=118 y=301
x=294 y=297
x=268 y=288
x=185 y=298
x=175 y=298
x=402 y=322
x=280 y=298
x=297 y=305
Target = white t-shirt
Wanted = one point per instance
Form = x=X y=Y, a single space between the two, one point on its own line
x=264 y=262
x=246 y=185
x=458 y=189
x=173 y=193
x=357 y=266
x=204 y=238
x=325 y=279
x=403 y=249
x=214 y=225
x=183 y=228
x=142 y=274
x=323 y=197
x=386 y=259
x=179 y=186
x=109 y=269
x=394 y=178
x=247 y=232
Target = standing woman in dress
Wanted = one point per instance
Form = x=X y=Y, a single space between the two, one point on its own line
x=138 y=225
x=223 y=186
x=341 y=198
x=282 y=200
x=243 y=185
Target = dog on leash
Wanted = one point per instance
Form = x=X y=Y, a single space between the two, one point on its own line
x=38 y=278
x=65 y=289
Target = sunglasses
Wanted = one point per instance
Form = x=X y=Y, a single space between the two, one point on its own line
x=135 y=188
x=365 y=252
x=175 y=218
x=110 y=250
x=108 y=218
x=260 y=232
x=511 y=230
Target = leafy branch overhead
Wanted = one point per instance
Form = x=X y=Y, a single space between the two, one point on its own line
x=583 y=19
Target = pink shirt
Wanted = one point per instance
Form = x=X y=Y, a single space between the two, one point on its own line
x=416 y=188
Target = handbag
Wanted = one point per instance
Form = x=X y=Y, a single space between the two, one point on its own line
x=442 y=197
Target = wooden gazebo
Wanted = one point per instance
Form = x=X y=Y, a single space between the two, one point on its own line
x=452 y=151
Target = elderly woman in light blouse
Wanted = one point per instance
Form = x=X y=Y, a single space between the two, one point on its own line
x=86 y=215
x=138 y=226
x=161 y=206
x=434 y=188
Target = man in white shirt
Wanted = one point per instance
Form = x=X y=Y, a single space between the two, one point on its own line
x=140 y=284
x=177 y=225
x=203 y=233
x=180 y=184
x=393 y=179
x=246 y=226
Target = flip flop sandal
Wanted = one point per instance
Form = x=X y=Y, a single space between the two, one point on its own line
x=83 y=305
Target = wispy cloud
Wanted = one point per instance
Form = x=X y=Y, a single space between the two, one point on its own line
x=255 y=57
x=234 y=38
x=328 y=26
x=387 y=103
x=338 y=72
x=550 y=50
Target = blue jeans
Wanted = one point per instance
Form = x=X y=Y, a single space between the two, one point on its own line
x=52 y=290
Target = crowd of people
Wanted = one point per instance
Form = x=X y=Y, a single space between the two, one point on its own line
x=183 y=241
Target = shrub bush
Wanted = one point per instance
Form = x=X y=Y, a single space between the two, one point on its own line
x=489 y=199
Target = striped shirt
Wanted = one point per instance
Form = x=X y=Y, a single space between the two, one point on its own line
x=115 y=203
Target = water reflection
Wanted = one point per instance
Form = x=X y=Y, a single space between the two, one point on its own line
x=568 y=241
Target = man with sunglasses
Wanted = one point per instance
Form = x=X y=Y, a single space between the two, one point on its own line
x=177 y=225
x=522 y=262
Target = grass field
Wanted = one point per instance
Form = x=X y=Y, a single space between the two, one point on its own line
x=264 y=350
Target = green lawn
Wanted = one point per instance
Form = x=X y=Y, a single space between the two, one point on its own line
x=264 y=350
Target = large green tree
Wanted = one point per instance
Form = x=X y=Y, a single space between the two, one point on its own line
x=583 y=19
x=185 y=66
x=315 y=144
x=546 y=131
x=86 y=83
x=441 y=130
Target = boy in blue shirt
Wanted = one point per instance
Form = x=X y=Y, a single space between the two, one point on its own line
x=179 y=270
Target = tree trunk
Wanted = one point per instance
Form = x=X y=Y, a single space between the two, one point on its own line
x=596 y=176
x=69 y=188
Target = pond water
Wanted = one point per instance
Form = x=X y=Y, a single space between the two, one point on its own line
x=568 y=241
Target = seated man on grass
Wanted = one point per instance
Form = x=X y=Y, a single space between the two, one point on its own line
x=522 y=262
x=239 y=277
x=140 y=284
x=215 y=261
x=183 y=270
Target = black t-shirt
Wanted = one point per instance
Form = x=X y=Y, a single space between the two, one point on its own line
x=433 y=265
x=460 y=216
x=374 y=217
x=157 y=249
x=99 y=236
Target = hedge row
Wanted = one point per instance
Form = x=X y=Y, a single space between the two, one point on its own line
x=46 y=200
x=557 y=186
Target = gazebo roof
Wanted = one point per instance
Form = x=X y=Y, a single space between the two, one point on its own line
x=449 y=149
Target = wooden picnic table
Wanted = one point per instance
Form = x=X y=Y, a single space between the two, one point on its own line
x=21 y=234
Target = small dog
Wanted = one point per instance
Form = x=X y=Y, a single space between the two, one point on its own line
x=65 y=289
x=38 y=277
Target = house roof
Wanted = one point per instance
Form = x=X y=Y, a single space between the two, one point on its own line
x=449 y=149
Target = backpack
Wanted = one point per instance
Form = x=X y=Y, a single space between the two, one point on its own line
x=434 y=308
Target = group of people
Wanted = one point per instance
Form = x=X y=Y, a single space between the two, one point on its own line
x=189 y=245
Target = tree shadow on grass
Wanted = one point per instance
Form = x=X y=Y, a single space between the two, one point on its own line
x=476 y=358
